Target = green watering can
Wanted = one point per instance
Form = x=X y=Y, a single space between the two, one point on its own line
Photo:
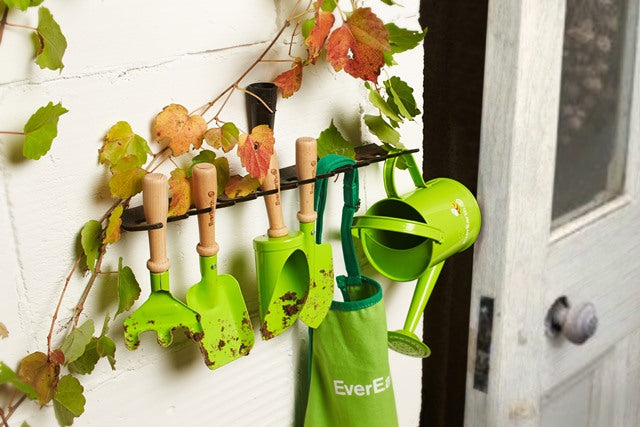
x=409 y=237
x=218 y=299
x=161 y=312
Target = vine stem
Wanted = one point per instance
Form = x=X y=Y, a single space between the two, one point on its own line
x=21 y=26
x=3 y=21
x=85 y=294
x=11 y=410
x=55 y=313
x=5 y=421
x=6 y=132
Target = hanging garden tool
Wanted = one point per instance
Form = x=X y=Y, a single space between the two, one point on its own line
x=409 y=237
x=161 y=312
x=282 y=269
x=218 y=299
x=319 y=255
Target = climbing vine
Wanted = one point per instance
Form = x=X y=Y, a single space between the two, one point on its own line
x=353 y=40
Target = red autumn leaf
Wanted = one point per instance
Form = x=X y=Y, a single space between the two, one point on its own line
x=358 y=46
x=255 y=151
x=290 y=81
x=323 y=23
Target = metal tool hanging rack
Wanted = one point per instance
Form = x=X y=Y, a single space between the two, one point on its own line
x=133 y=218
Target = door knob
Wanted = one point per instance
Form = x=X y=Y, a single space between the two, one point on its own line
x=576 y=322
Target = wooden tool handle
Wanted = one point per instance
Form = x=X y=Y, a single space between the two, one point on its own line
x=156 y=205
x=205 y=194
x=272 y=201
x=306 y=161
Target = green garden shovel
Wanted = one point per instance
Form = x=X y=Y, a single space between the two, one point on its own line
x=161 y=312
x=218 y=299
x=319 y=256
x=282 y=269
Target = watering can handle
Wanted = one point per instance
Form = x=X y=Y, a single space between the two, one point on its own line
x=389 y=174
x=272 y=201
x=404 y=226
x=205 y=194
x=306 y=162
x=155 y=203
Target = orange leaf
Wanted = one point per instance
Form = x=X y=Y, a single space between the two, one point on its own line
x=40 y=373
x=112 y=233
x=358 y=46
x=290 y=81
x=255 y=151
x=180 y=192
x=174 y=127
x=240 y=186
x=315 y=41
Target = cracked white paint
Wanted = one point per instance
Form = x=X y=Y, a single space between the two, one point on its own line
x=125 y=61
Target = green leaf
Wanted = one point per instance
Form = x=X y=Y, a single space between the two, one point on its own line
x=107 y=348
x=8 y=376
x=222 y=173
x=331 y=141
x=402 y=95
x=379 y=102
x=22 y=4
x=25 y=424
x=329 y=5
x=383 y=130
x=68 y=401
x=91 y=241
x=119 y=143
x=307 y=26
x=76 y=342
x=205 y=156
x=48 y=41
x=41 y=129
x=128 y=288
x=402 y=39
x=87 y=361
x=390 y=2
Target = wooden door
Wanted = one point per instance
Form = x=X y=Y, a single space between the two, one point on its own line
x=561 y=99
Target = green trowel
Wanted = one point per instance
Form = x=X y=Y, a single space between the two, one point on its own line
x=161 y=312
x=218 y=299
x=319 y=256
x=282 y=269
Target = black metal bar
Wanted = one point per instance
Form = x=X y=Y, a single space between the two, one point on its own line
x=133 y=218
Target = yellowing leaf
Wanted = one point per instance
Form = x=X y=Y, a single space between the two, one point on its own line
x=69 y=401
x=8 y=376
x=48 y=41
x=322 y=25
x=40 y=373
x=75 y=343
x=41 y=129
x=225 y=137
x=112 y=233
x=290 y=81
x=128 y=288
x=126 y=181
x=174 y=127
x=180 y=192
x=4 y=332
x=90 y=241
x=119 y=143
x=255 y=151
x=358 y=46
x=331 y=141
x=240 y=186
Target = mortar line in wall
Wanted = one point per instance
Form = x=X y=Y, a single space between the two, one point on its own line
x=18 y=256
x=119 y=72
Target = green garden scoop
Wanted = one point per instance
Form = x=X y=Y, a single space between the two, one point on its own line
x=161 y=312
x=218 y=299
x=319 y=256
x=282 y=269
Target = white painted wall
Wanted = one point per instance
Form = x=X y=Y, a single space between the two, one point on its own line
x=125 y=61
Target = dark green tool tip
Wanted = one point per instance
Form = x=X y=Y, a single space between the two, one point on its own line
x=407 y=343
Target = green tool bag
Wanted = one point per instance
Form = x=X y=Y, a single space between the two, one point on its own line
x=349 y=376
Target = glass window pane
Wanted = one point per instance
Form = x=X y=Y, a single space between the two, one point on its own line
x=597 y=77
